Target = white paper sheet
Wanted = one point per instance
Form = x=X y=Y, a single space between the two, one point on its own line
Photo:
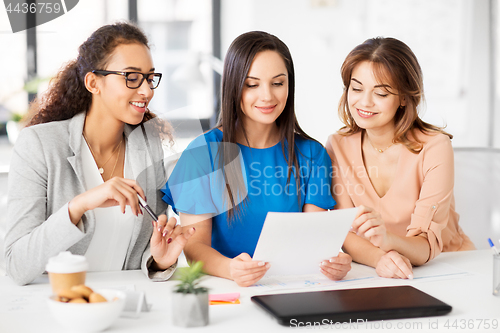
x=437 y=270
x=296 y=243
x=359 y=274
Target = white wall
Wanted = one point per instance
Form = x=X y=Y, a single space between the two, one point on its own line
x=12 y=66
x=57 y=43
x=449 y=37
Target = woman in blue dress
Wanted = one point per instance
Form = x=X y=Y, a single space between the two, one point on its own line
x=257 y=159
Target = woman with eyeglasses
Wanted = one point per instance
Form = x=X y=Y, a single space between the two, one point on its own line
x=90 y=149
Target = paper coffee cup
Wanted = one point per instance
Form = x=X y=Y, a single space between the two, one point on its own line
x=66 y=270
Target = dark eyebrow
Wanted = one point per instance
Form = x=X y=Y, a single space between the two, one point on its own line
x=137 y=69
x=377 y=86
x=274 y=77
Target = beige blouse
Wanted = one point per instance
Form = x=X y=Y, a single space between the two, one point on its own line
x=420 y=201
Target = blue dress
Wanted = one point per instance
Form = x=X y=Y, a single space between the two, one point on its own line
x=196 y=187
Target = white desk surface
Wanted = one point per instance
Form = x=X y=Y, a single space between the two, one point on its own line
x=470 y=295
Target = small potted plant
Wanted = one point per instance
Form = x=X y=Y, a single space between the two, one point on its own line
x=190 y=301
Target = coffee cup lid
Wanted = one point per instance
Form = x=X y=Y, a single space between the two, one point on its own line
x=65 y=262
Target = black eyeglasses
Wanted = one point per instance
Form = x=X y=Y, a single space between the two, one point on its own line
x=133 y=80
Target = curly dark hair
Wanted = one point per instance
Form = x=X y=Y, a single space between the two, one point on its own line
x=67 y=94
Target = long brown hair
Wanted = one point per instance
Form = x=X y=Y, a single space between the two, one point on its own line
x=67 y=95
x=393 y=61
x=237 y=63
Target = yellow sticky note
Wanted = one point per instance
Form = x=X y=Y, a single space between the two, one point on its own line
x=224 y=302
x=229 y=298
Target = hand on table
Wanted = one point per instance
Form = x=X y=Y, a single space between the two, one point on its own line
x=245 y=272
x=369 y=225
x=336 y=267
x=394 y=265
x=167 y=241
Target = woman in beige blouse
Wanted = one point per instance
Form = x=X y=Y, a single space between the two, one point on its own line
x=396 y=167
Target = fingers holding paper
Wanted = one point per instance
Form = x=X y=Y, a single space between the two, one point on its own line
x=245 y=272
x=394 y=265
x=368 y=224
x=336 y=268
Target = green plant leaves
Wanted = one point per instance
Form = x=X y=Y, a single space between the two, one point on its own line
x=189 y=279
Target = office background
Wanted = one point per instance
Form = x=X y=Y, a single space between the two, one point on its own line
x=456 y=42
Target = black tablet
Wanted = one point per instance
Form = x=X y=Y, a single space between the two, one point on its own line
x=350 y=305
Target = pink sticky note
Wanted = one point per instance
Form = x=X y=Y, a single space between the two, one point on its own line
x=229 y=297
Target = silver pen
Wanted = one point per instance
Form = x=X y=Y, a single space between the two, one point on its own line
x=144 y=205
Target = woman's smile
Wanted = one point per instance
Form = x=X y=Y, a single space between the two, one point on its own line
x=139 y=106
x=266 y=109
x=365 y=114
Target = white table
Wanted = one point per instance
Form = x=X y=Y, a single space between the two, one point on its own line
x=470 y=295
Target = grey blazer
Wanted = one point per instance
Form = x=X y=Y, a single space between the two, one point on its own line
x=46 y=173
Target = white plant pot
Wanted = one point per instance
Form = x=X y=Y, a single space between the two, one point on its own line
x=190 y=310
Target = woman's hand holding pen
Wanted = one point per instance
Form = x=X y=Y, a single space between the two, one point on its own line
x=116 y=191
x=167 y=242
x=245 y=272
x=336 y=267
x=369 y=225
